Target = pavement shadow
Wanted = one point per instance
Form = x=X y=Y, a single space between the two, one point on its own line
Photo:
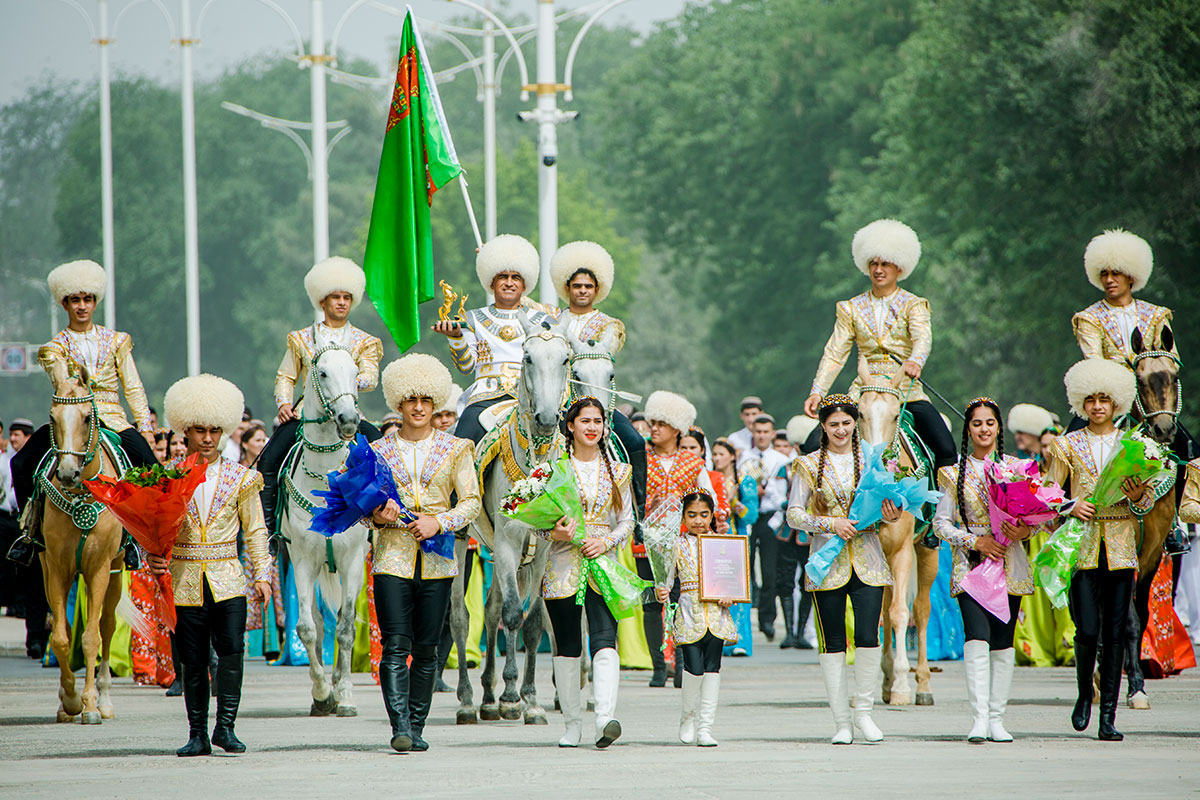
x=123 y=752
x=23 y=721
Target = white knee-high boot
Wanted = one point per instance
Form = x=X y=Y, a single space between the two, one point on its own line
x=1002 y=672
x=975 y=664
x=606 y=678
x=866 y=678
x=691 y=701
x=710 y=687
x=566 y=680
x=833 y=668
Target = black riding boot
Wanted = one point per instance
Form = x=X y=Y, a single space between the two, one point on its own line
x=802 y=620
x=176 y=687
x=653 y=627
x=1085 y=664
x=229 y=696
x=1110 y=692
x=195 y=698
x=393 y=681
x=421 y=678
x=789 y=607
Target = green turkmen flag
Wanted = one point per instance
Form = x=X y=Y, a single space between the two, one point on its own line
x=418 y=159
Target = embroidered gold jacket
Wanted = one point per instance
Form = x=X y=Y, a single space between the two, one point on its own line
x=293 y=370
x=1071 y=460
x=1189 y=507
x=695 y=617
x=907 y=334
x=449 y=468
x=814 y=512
x=207 y=548
x=115 y=371
x=947 y=522
x=1100 y=336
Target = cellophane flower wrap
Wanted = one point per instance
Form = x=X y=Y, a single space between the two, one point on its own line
x=151 y=503
x=1017 y=495
x=660 y=535
x=363 y=485
x=1135 y=456
x=876 y=484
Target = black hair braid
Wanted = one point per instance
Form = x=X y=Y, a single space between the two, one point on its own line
x=856 y=451
x=963 y=466
x=824 y=457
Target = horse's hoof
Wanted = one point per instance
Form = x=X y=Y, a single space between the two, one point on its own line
x=557 y=705
x=323 y=708
x=106 y=712
x=489 y=713
x=510 y=711
x=347 y=711
x=924 y=698
x=64 y=716
x=885 y=696
x=1140 y=701
x=90 y=718
x=900 y=699
x=591 y=705
x=535 y=717
x=465 y=716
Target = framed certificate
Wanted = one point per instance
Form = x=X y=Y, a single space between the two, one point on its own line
x=724 y=568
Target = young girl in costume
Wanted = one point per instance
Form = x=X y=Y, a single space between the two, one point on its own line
x=742 y=491
x=822 y=493
x=701 y=627
x=605 y=493
x=962 y=519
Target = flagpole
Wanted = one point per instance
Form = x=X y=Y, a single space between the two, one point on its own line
x=462 y=182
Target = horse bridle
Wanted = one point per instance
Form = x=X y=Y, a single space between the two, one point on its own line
x=83 y=514
x=540 y=442
x=612 y=382
x=1137 y=401
x=326 y=404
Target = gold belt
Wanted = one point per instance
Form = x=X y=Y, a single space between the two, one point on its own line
x=1113 y=519
x=205 y=551
x=687 y=586
x=499 y=369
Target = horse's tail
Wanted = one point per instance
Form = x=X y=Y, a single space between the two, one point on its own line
x=330 y=584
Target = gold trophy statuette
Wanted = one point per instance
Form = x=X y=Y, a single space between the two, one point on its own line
x=448 y=298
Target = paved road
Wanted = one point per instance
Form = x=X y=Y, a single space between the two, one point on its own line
x=772 y=724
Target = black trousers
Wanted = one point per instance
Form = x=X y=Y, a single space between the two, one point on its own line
x=415 y=608
x=24 y=462
x=979 y=624
x=702 y=656
x=830 y=605
x=468 y=426
x=635 y=450
x=789 y=556
x=223 y=623
x=1099 y=601
x=768 y=547
x=565 y=617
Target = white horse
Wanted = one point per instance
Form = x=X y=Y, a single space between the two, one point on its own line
x=519 y=557
x=331 y=392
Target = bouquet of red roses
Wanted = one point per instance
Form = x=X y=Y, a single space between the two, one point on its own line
x=151 y=503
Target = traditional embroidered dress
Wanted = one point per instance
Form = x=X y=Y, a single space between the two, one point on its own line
x=151 y=656
x=897 y=325
x=108 y=356
x=696 y=617
x=1104 y=330
x=293 y=370
x=814 y=512
x=674 y=476
x=603 y=521
x=427 y=473
x=491 y=346
x=948 y=519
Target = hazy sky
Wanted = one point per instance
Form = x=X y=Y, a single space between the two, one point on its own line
x=40 y=37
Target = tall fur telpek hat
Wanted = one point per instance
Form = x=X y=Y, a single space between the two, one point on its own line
x=1029 y=418
x=1100 y=376
x=673 y=409
x=582 y=255
x=1119 y=251
x=77 y=276
x=204 y=400
x=890 y=240
x=508 y=253
x=335 y=274
x=416 y=375
x=799 y=427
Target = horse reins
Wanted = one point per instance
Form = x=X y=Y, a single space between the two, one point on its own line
x=1137 y=402
x=84 y=514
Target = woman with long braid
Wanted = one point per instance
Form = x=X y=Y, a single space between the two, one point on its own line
x=962 y=519
x=822 y=493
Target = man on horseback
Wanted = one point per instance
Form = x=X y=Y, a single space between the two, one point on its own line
x=490 y=341
x=887 y=323
x=335 y=287
x=108 y=358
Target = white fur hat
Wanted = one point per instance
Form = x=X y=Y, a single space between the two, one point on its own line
x=1028 y=418
x=451 y=403
x=1119 y=251
x=77 y=276
x=890 y=240
x=508 y=253
x=799 y=427
x=673 y=409
x=576 y=256
x=204 y=400
x=416 y=375
x=335 y=274
x=1100 y=376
